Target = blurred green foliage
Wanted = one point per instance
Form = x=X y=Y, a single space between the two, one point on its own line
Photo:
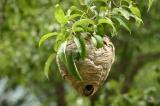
x=133 y=81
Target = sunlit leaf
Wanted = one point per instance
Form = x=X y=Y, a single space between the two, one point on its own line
x=136 y=14
x=48 y=63
x=99 y=41
x=77 y=42
x=73 y=16
x=46 y=36
x=82 y=2
x=72 y=68
x=68 y=61
x=150 y=2
x=57 y=45
x=78 y=29
x=74 y=9
x=61 y=37
x=80 y=42
x=102 y=11
x=82 y=22
x=138 y=20
x=123 y=12
x=135 y=10
x=109 y=22
x=94 y=41
x=128 y=1
x=122 y=23
x=103 y=1
x=59 y=15
x=62 y=53
x=85 y=2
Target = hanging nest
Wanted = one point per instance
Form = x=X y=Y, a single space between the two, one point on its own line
x=94 y=69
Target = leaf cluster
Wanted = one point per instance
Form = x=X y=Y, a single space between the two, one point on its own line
x=93 y=20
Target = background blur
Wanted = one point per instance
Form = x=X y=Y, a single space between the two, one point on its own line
x=133 y=81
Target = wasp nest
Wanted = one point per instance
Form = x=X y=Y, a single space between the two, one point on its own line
x=94 y=69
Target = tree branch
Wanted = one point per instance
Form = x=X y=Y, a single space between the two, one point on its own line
x=60 y=92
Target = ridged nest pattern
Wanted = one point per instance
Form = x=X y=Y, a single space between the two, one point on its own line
x=94 y=69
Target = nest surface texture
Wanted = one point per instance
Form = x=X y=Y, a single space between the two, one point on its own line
x=94 y=69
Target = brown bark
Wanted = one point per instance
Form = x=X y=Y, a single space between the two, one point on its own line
x=93 y=99
x=60 y=92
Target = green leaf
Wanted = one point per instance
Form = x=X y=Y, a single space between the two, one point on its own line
x=59 y=15
x=68 y=61
x=85 y=2
x=78 y=29
x=103 y=1
x=72 y=67
x=109 y=22
x=73 y=16
x=62 y=53
x=46 y=36
x=122 y=23
x=128 y=1
x=99 y=40
x=72 y=9
x=94 y=41
x=135 y=10
x=150 y=2
x=77 y=42
x=101 y=30
x=138 y=20
x=82 y=22
x=123 y=12
x=57 y=45
x=94 y=11
x=61 y=37
x=80 y=42
x=48 y=63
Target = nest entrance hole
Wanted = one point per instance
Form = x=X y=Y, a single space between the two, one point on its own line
x=88 y=90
